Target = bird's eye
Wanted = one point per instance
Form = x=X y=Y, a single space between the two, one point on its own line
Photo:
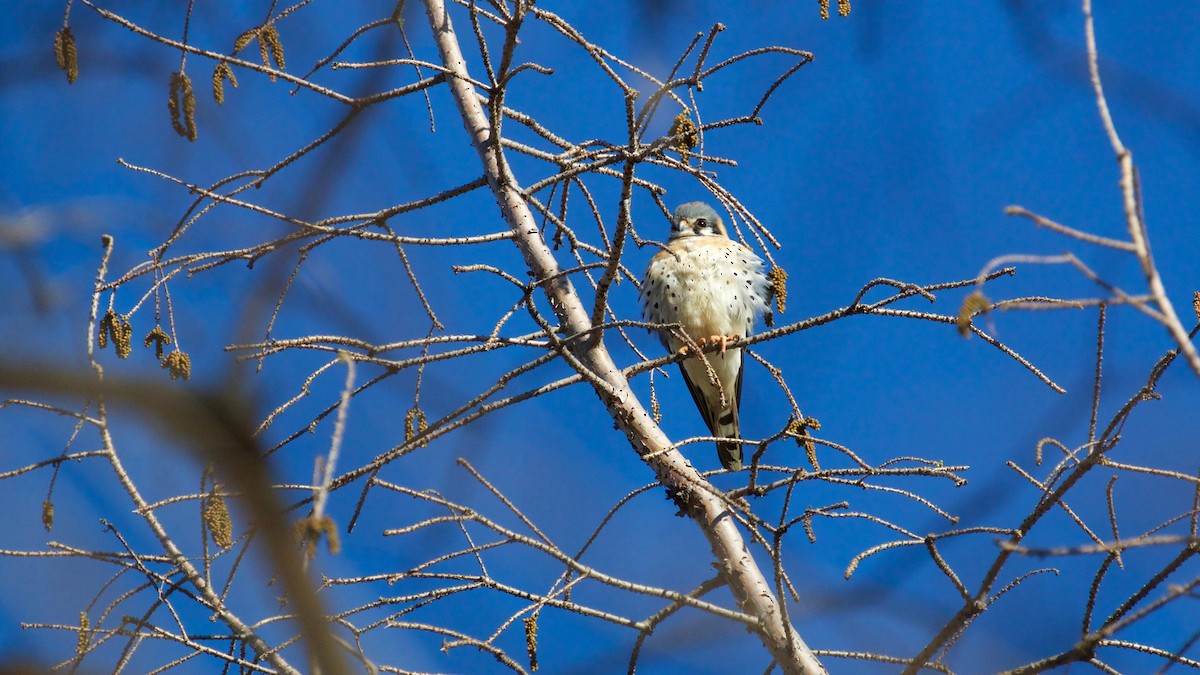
x=701 y=223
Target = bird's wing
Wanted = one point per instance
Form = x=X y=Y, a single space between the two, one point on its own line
x=737 y=388
x=707 y=396
x=700 y=397
x=722 y=421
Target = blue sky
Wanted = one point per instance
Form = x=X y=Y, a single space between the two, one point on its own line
x=892 y=155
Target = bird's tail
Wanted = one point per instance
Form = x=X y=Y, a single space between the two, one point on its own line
x=725 y=424
x=718 y=408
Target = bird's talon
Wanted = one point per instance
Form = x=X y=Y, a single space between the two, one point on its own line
x=723 y=340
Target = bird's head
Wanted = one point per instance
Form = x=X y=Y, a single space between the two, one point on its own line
x=697 y=219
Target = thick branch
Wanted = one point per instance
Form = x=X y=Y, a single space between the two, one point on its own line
x=1132 y=200
x=740 y=570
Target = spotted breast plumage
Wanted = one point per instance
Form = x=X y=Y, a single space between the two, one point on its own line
x=713 y=287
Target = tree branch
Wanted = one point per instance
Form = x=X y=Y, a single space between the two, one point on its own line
x=745 y=579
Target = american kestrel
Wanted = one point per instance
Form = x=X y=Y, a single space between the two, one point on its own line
x=713 y=287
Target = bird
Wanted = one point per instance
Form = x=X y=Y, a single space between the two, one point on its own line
x=712 y=287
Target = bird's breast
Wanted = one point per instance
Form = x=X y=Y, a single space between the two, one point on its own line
x=708 y=289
